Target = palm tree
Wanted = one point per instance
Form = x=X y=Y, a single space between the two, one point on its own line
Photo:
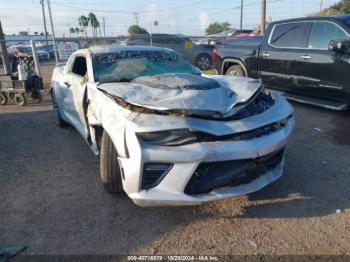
x=83 y=22
x=71 y=31
x=94 y=23
x=77 y=31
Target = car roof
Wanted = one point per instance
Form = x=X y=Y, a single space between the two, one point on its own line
x=343 y=16
x=314 y=18
x=120 y=48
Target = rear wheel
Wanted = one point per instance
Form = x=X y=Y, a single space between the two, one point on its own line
x=20 y=99
x=3 y=99
x=203 y=61
x=110 y=172
x=235 y=70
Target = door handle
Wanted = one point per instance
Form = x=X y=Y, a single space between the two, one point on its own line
x=67 y=84
x=266 y=55
x=306 y=57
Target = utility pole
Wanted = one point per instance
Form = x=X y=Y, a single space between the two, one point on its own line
x=53 y=31
x=136 y=18
x=321 y=5
x=241 y=23
x=263 y=16
x=44 y=20
x=3 y=51
x=104 y=27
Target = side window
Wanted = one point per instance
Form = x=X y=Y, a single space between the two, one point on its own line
x=289 y=35
x=79 y=66
x=324 y=32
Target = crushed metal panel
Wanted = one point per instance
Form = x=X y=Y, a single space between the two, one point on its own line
x=229 y=93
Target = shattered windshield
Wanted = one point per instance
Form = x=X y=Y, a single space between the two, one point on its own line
x=125 y=66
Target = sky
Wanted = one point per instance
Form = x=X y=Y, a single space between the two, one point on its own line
x=189 y=17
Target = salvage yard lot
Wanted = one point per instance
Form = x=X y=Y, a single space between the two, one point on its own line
x=52 y=200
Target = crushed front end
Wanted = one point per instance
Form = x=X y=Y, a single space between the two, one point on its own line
x=188 y=160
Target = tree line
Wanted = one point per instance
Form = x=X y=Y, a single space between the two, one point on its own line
x=342 y=7
x=84 y=22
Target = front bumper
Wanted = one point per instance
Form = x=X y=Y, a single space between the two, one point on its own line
x=186 y=159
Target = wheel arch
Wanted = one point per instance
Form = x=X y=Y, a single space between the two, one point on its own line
x=96 y=132
x=228 y=62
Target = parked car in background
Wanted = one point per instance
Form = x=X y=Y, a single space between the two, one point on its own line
x=198 y=55
x=165 y=133
x=19 y=51
x=307 y=58
x=47 y=48
x=26 y=51
x=225 y=35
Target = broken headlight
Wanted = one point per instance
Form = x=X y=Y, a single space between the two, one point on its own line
x=175 y=137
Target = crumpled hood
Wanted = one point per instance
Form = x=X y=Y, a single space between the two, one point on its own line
x=185 y=92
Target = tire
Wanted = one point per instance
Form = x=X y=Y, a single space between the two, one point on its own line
x=235 y=70
x=20 y=99
x=203 y=62
x=59 y=121
x=110 y=172
x=3 y=99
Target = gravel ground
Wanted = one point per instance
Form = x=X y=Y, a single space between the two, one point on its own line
x=52 y=200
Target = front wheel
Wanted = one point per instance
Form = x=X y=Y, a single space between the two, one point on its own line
x=235 y=70
x=203 y=61
x=110 y=171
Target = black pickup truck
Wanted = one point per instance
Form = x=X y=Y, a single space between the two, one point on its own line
x=308 y=59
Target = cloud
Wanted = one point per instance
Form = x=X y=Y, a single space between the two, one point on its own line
x=163 y=15
x=203 y=20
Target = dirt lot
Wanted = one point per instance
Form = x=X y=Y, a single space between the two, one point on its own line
x=52 y=200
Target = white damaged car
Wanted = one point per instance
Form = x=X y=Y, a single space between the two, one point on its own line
x=166 y=134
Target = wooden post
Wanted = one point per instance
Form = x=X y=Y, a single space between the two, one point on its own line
x=263 y=16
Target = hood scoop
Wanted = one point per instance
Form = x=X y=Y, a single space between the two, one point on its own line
x=192 y=94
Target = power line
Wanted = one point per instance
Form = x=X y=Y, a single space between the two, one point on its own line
x=128 y=12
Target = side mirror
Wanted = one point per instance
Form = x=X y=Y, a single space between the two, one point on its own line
x=339 y=46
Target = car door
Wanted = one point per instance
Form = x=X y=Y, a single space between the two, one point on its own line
x=325 y=72
x=281 y=54
x=75 y=88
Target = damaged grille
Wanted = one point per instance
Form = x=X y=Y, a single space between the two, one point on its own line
x=260 y=103
x=255 y=133
x=209 y=176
